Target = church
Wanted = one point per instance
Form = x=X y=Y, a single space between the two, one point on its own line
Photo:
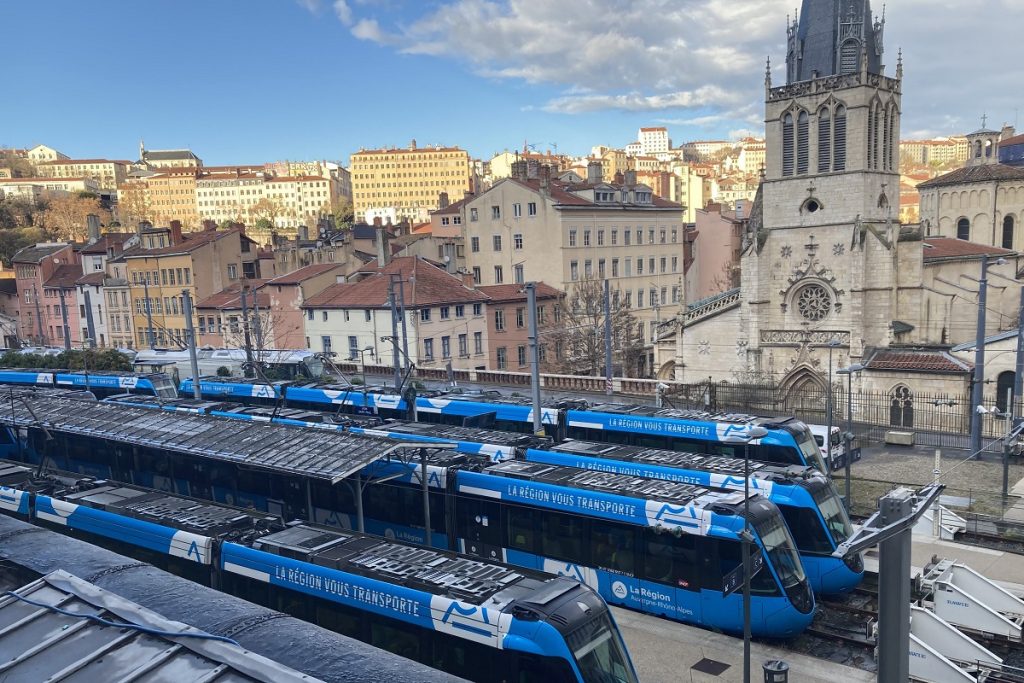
x=827 y=269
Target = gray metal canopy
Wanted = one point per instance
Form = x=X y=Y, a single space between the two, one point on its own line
x=320 y=454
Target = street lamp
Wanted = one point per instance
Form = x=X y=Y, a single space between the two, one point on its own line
x=848 y=436
x=833 y=343
x=362 y=362
x=745 y=438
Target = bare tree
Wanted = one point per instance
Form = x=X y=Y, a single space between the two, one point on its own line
x=728 y=277
x=579 y=331
x=66 y=216
x=133 y=203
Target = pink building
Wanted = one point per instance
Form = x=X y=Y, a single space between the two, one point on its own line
x=715 y=252
x=42 y=272
x=507 y=324
x=286 y=295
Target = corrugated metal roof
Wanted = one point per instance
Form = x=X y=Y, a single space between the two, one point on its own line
x=46 y=636
x=329 y=455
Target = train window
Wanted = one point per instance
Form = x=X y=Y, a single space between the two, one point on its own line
x=561 y=536
x=395 y=638
x=730 y=556
x=254 y=482
x=671 y=561
x=480 y=522
x=530 y=668
x=651 y=441
x=437 y=509
x=339 y=619
x=611 y=546
x=781 y=454
x=459 y=657
x=520 y=528
x=805 y=525
x=5 y=436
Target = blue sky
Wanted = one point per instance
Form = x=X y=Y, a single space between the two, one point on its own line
x=258 y=80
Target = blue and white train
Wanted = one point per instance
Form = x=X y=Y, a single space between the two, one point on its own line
x=474 y=618
x=101 y=383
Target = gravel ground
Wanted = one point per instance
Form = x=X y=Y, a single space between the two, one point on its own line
x=881 y=468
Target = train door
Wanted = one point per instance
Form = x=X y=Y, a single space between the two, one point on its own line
x=718 y=558
x=480 y=528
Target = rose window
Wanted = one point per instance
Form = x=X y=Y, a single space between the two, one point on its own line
x=814 y=302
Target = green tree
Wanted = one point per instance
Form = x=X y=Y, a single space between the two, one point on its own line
x=13 y=239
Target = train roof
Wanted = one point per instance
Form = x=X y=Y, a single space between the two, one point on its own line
x=608 y=482
x=469 y=580
x=673 y=413
x=168 y=403
x=170 y=510
x=324 y=454
x=525 y=401
x=454 y=433
x=44 y=641
x=31 y=551
x=716 y=464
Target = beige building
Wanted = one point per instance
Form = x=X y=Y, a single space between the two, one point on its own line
x=107 y=174
x=172 y=196
x=34 y=188
x=751 y=158
x=937 y=151
x=407 y=179
x=982 y=202
x=41 y=154
x=525 y=229
x=228 y=196
x=167 y=158
x=302 y=199
x=654 y=140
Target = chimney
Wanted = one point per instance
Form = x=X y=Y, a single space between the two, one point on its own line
x=467 y=280
x=630 y=177
x=618 y=178
x=142 y=227
x=377 y=222
x=175 y=232
x=304 y=233
x=594 y=173
x=467 y=195
x=383 y=245
x=519 y=169
x=545 y=179
x=93 y=221
x=442 y=200
x=209 y=225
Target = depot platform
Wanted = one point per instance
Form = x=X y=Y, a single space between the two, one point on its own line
x=669 y=652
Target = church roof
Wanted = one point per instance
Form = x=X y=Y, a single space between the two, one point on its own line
x=818 y=37
x=991 y=339
x=914 y=360
x=950 y=247
x=982 y=173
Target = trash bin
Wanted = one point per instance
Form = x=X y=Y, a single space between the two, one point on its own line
x=776 y=671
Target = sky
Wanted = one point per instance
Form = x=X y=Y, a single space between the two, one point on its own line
x=249 y=81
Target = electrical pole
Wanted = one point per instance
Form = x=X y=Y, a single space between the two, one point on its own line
x=531 y=309
x=245 y=331
x=607 y=338
x=1018 y=378
x=393 y=304
x=64 y=320
x=39 y=317
x=89 y=323
x=979 y=360
x=186 y=305
x=150 y=334
x=405 y=330
x=894 y=589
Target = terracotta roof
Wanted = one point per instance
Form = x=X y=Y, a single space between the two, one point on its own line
x=64 y=277
x=1015 y=140
x=40 y=180
x=108 y=239
x=96 y=278
x=918 y=361
x=652 y=129
x=230 y=297
x=453 y=207
x=296 y=178
x=950 y=247
x=189 y=242
x=406 y=150
x=302 y=274
x=426 y=285
x=976 y=174
x=8 y=285
x=502 y=293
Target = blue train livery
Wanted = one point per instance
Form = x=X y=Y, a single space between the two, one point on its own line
x=807 y=499
x=101 y=383
x=474 y=618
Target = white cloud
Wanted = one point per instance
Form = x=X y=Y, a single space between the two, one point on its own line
x=703 y=57
x=312 y=6
x=343 y=12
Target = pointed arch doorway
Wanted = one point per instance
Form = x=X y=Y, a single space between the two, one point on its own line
x=804 y=394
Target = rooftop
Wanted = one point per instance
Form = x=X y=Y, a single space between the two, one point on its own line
x=106 y=240
x=45 y=642
x=190 y=241
x=302 y=274
x=230 y=298
x=950 y=247
x=64 y=276
x=512 y=292
x=917 y=361
x=426 y=285
x=982 y=173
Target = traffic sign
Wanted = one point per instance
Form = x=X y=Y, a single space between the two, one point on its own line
x=734 y=579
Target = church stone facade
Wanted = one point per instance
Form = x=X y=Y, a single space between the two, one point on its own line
x=825 y=257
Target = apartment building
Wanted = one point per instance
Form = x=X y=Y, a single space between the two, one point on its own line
x=95 y=285
x=168 y=261
x=172 y=196
x=302 y=199
x=409 y=179
x=107 y=174
x=41 y=154
x=539 y=229
x=445 y=318
x=167 y=158
x=229 y=196
x=508 y=324
x=34 y=267
x=33 y=189
x=219 y=317
x=654 y=140
x=287 y=294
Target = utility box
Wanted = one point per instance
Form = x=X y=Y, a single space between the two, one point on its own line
x=896 y=438
x=776 y=671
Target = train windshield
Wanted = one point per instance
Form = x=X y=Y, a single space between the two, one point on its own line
x=163 y=386
x=809 y=448
x=600 y=652
x=836 y=520
x=781 y=550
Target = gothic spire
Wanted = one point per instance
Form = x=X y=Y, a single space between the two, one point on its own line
x=831 y=37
